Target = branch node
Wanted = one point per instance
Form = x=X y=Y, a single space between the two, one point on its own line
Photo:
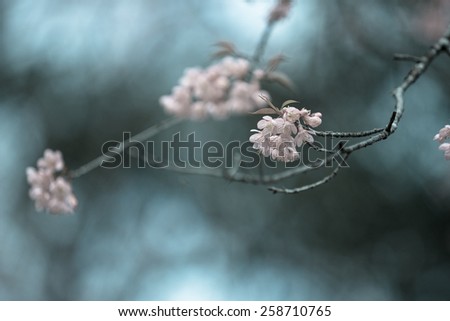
x=390 y=124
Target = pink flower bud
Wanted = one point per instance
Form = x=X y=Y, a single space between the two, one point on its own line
x=313 y=120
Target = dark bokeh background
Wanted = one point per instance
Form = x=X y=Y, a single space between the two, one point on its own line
x=74 y=74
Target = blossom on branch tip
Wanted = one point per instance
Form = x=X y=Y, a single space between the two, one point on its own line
x=278 y=138
x=219 y=90
x=49 y=191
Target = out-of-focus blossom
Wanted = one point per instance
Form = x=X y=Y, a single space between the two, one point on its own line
x=280 y=10
x=52 y=161
x=222 y=89
x=49 y=191
x=443 y=134
x=278 y=138
x=431 y=20
x=446 y=148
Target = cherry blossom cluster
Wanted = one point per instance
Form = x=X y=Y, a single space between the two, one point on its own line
x=279 y=137
x=443 y=134
x=217 y=91
x=48 y=190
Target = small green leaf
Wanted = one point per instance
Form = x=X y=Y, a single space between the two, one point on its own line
x=287 y=102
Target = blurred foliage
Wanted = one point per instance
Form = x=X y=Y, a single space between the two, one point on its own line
x=74 y=74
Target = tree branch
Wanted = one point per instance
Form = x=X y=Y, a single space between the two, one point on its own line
x=421 y=65
x=309 y=186
x=414 y=74
x=262 y=43
x=376 y=135
x=406 y=57
x=144 y=135
x=348 y=134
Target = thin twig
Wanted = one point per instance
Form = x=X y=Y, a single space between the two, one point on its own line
x=309 y=186
x=419 y=68
x=349 y=134
x=405 y=57
x=376 y=134
x=233 y=174
x=262 y=44
x=305 y=187
x=318 y=149
x=144 y=135
x=414 y=74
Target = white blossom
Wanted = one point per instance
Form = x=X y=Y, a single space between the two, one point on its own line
x=313 y=120
x=49 y=191
x=278 y=138
x=52 y=160
x=291 y=114
x=303 y=136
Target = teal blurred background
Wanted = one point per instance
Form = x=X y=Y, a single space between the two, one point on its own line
x=74 y=74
